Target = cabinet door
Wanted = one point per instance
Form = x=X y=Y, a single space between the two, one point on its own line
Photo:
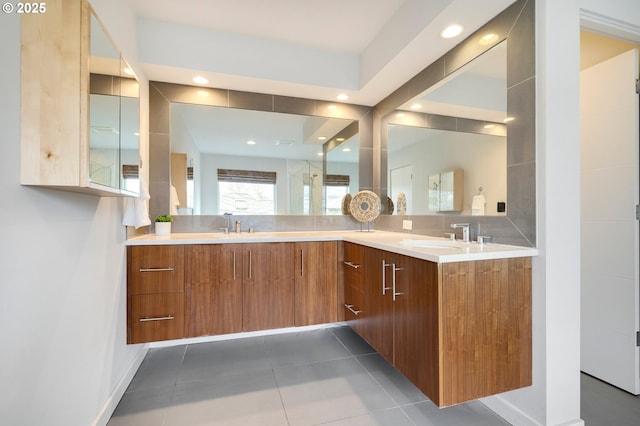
x=213 y=289
x=268 y=286
x=316 y=282
x=155 y=269
x=379 y=300
x=415 y=324
x=354 y=293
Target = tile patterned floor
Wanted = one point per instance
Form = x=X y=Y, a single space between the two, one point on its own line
x=327 y=376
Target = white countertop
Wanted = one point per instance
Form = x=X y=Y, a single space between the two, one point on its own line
x=440 y=250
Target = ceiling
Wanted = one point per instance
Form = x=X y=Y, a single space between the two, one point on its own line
x=305 y=48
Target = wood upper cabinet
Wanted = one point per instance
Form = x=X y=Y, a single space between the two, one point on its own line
x=316 y=282
x=268 y=286
x=213 y=289
x=354 y=289
x=155 y=293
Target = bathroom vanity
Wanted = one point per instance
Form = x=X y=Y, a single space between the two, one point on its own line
x=453 y=317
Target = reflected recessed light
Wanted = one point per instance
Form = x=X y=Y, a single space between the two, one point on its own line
x=320 y=154
x=342 y=97
x=322 y=138
x=128 y=71
x=136 y=134
x=508 y=119
x=489 y=38
x=251 y=142
x=489 y=126
x=331 y=107
x=203 y=93
x=346 y=150
x=416 y=106
x=400 y=115
x=200 y=80
x=451 y=31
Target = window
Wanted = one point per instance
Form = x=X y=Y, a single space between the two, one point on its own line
x=131 y=180
x=337 y=186
x=246 y=192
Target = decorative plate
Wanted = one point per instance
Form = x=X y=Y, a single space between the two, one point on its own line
x=365 y=206
x=402 y=203
x=346 y=202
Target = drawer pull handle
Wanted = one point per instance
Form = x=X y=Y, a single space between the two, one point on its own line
x=353 y=265
x=350 y=307
x=168 y=317
x=169 y=269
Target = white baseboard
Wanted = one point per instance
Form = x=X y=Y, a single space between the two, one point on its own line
x=112 y=401
x=515 y=416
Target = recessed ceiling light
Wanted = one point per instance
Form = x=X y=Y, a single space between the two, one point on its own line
x=489 y=126
x=251 y=142
x=128 y=71
x=200 y=80
x=340 y=139
x=342 y=97
x=331 y=107
x=320 y=154
x=322 y=138
x=346 y=150
x=451 y=31
x=400 y=115
x=508 y=119
x=489 y=38
x=416 y=106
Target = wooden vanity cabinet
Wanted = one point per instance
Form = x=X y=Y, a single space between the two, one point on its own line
x=213 y=289
x=354 y=286
x=155 y=293
x=316 y=280
x=459 y=331
x=268 y=286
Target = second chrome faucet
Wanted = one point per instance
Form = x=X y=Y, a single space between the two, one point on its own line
x=465 y=230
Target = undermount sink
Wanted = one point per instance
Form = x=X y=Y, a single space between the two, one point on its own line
x=433 y=244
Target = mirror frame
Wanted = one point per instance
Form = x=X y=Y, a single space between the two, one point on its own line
x=161 y=95
x=516 y=24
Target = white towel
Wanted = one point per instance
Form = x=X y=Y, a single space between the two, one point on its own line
x=174 y=201
x=477 y=205
x=136 y=210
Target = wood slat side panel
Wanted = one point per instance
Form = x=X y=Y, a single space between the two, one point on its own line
x=486 y=328
x=53 y=107
x=155 y=257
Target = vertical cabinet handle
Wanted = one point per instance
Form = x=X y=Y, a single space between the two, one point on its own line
x=301 y=262
x=393 y=267
x=234 y=265
x=384 y=277
x=249 y=264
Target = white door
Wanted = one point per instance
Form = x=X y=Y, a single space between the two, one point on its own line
x=610 y=297
x=401 y=180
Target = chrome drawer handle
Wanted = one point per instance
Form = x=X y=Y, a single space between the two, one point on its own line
x=168 y=317
x=350 y=307
x=170 y=269
x=353 y=265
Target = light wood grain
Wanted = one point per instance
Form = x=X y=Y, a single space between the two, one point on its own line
x=315 y=282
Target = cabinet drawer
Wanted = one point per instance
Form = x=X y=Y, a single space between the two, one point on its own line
x=154 y=317
x=155 y=269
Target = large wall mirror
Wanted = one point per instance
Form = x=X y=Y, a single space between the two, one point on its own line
x=216 y=151
x=462 y=96
x=460 y=127
x=246 y=162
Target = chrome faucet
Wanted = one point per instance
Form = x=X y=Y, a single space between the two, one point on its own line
x=238 y=227
x=227 y=223
x=465 y=230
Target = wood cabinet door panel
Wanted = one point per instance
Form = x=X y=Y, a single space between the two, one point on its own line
x=486 y=316
x=268 y=286
x=379 y=301
x=316 y=282
x=213 y=289
x=154 y=317
x=155 y=269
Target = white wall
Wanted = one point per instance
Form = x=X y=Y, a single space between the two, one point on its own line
x=62 y=285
